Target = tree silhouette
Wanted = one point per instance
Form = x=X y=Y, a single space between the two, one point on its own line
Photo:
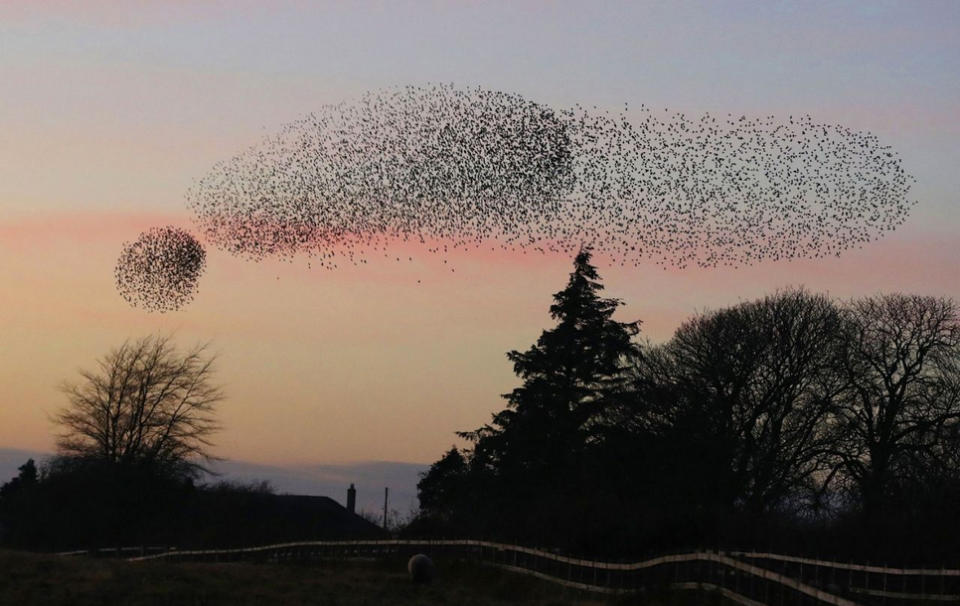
x=148 y=406
x=534 y=452
x=26 y=479
x=757 y=381
x=568 y=377
x=441 y=487
x=899 y=416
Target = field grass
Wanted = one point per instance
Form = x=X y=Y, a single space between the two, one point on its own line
x=32 y=579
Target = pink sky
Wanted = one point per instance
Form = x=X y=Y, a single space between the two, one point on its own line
x=110 y=114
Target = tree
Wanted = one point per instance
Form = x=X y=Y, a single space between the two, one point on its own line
x=147 y=406
x=899 y=415
x=441 y=488
x=568 y=376
x=750 y=388
x=16 y=502
x=26 y=479
x=533 y=454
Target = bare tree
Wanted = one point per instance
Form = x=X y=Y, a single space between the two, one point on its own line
x=146 y=404
x=901 y=357
x=757 y=380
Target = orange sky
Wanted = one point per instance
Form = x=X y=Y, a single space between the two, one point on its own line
x=358 y=363
x=109 y=115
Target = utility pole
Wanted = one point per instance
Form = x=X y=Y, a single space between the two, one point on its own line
x=386 y=493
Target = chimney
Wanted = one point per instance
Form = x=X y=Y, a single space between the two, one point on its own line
x=352 y=499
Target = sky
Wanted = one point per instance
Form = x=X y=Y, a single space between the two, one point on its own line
x=110 y=111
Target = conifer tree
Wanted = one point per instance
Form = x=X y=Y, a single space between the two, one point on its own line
x=569 y=376
x=529 y=472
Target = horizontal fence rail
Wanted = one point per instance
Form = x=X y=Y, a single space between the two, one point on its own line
x=898 y=584
x=747 y=578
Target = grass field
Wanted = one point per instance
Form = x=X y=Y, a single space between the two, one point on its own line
x=31 y=579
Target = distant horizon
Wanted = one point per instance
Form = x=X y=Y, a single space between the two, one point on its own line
x=400 y=477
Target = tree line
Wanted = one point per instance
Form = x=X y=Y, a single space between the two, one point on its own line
x=133 y=449
x=793 y=421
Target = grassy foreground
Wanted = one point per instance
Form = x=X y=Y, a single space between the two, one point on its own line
x=31 y=579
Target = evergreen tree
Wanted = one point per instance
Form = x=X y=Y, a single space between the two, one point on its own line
x=533 y=456
x=568 y=376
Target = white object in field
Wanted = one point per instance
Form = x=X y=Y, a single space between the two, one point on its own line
x=421 y=569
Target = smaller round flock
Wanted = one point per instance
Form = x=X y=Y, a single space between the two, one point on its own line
x=468 y=168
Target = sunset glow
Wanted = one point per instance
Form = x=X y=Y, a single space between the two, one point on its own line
x=110 y=114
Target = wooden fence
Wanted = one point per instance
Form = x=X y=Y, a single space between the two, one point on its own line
x=748 y=578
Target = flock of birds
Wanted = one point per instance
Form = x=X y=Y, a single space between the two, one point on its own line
x=470 y=168
x=159 y=271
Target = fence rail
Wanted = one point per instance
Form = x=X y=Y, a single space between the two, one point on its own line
x=747 y=578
